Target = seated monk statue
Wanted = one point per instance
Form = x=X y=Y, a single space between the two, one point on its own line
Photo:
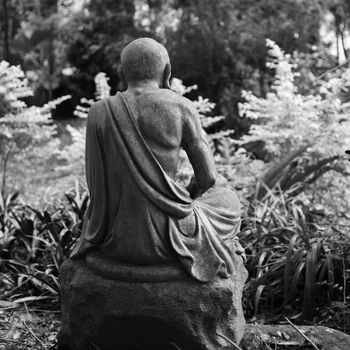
x=138 y=214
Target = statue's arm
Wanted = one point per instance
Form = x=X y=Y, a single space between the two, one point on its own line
x=199 y=153
x=89 y=146
x=93 y=156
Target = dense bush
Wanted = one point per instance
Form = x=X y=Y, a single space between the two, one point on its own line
x=298 y=262
x=296 y=128
x=34 y=243
x=296 y=219
x=23 y=130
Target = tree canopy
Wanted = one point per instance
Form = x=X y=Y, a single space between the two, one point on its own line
x=218 y=45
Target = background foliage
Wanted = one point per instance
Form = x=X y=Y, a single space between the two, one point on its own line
x=270 y=81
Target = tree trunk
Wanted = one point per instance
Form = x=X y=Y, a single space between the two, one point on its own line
x=6 y=31
x=51 y=67
x=343 y=44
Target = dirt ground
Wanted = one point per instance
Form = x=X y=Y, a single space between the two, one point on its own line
x=25 y=327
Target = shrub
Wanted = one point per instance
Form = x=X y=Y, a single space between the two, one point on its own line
x=297 y=130
x=295 y=218
x=296 y=259
x=23 y=130
x=34 y=243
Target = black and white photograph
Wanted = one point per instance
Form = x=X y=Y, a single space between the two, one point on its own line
x=174 y=174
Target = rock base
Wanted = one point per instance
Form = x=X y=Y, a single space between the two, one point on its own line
x=102 y=313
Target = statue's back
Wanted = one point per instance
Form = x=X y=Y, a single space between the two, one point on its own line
x=159 y=116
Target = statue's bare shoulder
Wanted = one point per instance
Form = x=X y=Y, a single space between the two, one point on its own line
x=179 y=105
x=161 y=115
x=167 y=119
x=96 y=116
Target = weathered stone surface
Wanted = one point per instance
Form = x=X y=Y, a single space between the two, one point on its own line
x=285 y=336
x=138 y=213
x=103 y=266
x=102 y=313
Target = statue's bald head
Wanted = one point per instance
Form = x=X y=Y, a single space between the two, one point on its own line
x=144 y=59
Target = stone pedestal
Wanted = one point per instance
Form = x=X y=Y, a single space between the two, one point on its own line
x=103 y=313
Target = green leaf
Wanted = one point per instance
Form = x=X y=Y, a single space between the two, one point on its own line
x=288 y=268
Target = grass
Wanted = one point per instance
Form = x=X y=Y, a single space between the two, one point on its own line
x=298 y=264
x=23 y=328
x=33 y=244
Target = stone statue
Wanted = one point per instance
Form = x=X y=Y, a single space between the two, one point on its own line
x=139 y=217
x=138 y=214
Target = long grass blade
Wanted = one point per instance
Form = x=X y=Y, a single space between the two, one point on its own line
x=257 y=298
x=229 y=341
x=296 y=280
x=302 y=334
x=288 y=269
x=310 y=281
x=330 y=277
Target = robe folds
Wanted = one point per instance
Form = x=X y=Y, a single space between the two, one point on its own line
x=139 y=215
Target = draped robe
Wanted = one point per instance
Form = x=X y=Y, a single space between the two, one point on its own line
x=138 y=214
